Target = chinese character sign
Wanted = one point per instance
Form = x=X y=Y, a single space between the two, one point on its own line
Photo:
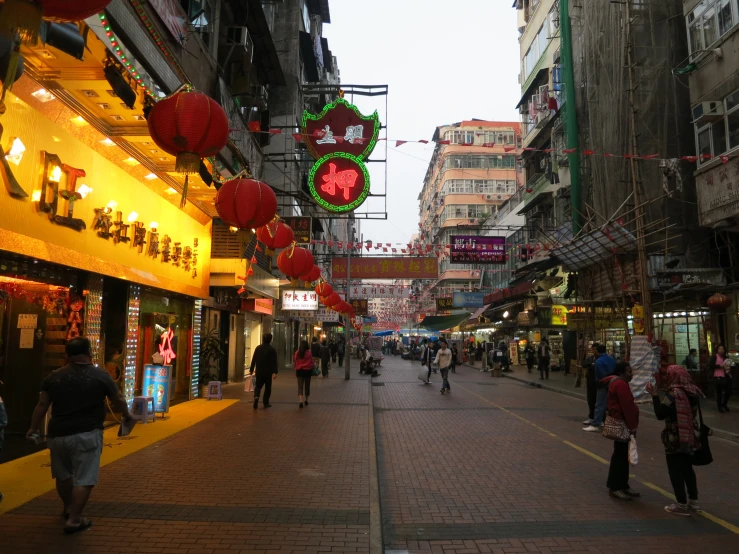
x=360 y=306
x=340 y=138
x=478 y=250
x=386 y=268
x=301 y=226
x=444 y=304
x=377 y=291
x=299 y=300
x=339 y=183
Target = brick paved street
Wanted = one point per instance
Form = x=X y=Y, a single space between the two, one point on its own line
x=497 y=466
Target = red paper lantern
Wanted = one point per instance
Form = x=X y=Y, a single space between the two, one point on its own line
x=313 y=275
x=191 y=126
x=246 y=203
x=332 y=300
x=24 y=16
x=719 y=302
x=295 y=261
x=324 y=289
x=275 y=235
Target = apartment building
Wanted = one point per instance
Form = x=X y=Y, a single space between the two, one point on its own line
x=472 y=172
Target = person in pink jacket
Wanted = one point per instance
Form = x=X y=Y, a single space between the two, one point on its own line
x=303 y=364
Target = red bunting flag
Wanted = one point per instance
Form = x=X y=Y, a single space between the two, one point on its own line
x=724 y=159
x=466 y=143
x=512 y=148
x=690 y=158
x=488 y=145
x=384 y=249
x=331 y=243
x=588 y=152
x=423 y=141
x=400 y=143
x=443 y=142
x=650 y=156
x=255 y=126
x=547 y=150
x=298 y=137
x=253 y=260
x=275 y=131
x=569 y=150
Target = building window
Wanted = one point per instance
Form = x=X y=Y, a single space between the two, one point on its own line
x=200 y=15
x=709 y=21
x=718 y=137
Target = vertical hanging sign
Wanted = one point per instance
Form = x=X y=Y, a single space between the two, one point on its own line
x=340 y=138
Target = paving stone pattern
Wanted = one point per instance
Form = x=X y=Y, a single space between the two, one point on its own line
x=487 y=468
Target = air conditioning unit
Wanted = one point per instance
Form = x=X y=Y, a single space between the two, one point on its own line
x=489 y=197
x=711 y=110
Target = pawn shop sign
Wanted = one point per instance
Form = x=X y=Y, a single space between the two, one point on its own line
x=340 y=138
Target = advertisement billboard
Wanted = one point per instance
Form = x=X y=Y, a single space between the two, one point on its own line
x=156 y=385
x=386 y=268
x=477 y=250
x=468 y=300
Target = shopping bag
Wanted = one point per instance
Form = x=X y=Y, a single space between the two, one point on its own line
x=633 y=453
x=703 y=457
x=251 y=382
x=423 y=374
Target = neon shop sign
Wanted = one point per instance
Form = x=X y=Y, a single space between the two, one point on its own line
x=340 y=138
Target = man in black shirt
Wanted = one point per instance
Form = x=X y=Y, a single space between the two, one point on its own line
x=77 y=394
x=265 y=360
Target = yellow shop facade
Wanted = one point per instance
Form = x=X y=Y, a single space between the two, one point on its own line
x=90 y=247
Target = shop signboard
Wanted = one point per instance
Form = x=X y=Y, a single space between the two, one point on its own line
x=386 y=268
x=156 y=384
x=718 y=193
x=258 y=305
x=513 y=352
x=559 y=315
x=302 y=228
x=371 y=292
x=666 y=281
x=327 y=316
x=477 y=250
x=444 y=304
x=340 y=138
x=360 y=305
x=299 y=300
x=65 y=203
x=468 y=299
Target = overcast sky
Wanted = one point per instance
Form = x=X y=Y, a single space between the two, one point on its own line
x=444 y=61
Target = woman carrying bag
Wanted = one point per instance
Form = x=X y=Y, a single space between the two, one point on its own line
x=303 y=364
x=680 y=410
x=719 y=369
x=622 y=421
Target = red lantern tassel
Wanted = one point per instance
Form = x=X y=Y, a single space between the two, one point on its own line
x=22 y=17
x=187 y=163
x=183 y=202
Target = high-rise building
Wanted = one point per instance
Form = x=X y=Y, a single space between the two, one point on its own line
x=472 y=172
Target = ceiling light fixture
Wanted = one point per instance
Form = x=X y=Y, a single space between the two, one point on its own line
x=84 y=190
x=131 y=161
x=151 y=177
x=170 y=190
x=107 y=142
x=43 y=95
x=133 y=216
x=79 y=121
x=17 y=149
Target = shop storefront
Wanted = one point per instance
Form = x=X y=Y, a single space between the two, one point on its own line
x=88 y=249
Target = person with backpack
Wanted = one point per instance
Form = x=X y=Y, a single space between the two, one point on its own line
x=544 y=359
x=680 y=410
x=623 y=421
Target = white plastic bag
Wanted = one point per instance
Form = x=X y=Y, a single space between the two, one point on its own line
x=633 y=454
x=251 y=382
x=423 y=374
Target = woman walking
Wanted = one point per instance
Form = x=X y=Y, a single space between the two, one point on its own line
x=623 y=413
x=681 y=436
x=303 y=364
x=721 y=374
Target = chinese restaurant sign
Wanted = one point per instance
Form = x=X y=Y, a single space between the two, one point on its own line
x=301 y=227
x=478 y=250
x=718 y=193
x=65 y=203
x=299 y=300
x=257 y=305
x=340 y=138
x=386 y=268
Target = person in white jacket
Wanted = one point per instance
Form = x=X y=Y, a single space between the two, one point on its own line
x=444 y=361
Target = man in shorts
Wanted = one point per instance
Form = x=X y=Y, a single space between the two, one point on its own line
x=77 y=394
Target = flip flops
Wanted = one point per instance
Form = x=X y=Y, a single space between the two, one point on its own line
x=72 y=529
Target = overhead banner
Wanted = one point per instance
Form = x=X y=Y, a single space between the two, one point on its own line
x=301 y=226
x=371 y=292
x=360 y=306
x=478 y=250
x=468 y=299
x=386 y=268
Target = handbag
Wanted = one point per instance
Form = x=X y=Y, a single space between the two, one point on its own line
x=633 y=452
x=616 y=430
x=703 y=457
x=316 y=370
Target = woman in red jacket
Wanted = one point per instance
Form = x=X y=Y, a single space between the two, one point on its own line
x=303 y=364
x=622 y=407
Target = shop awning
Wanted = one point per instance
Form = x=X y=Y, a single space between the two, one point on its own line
x=511 y=292
x=595 y=247
x=478 y=312
x=442 y=322
x=383 y=333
